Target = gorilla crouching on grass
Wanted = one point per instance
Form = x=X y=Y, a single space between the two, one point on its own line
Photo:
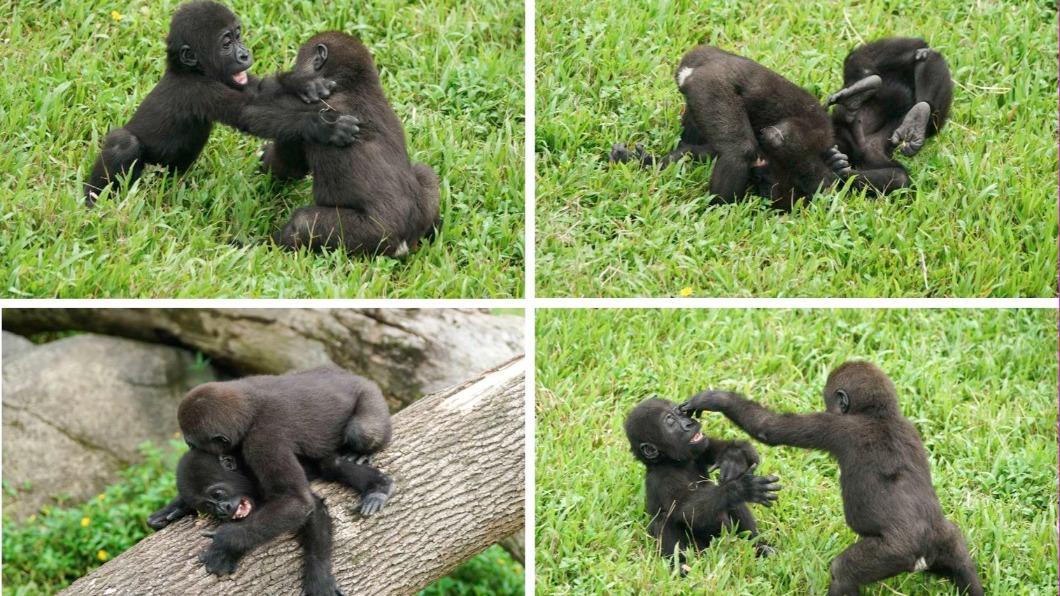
x=885 y=477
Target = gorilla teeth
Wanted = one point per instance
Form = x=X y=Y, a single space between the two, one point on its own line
x=696 y=438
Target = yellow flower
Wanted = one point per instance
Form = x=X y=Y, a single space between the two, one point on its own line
x=85 y=521
x=102 y=555
x=686 y=292
x=33 y=517
x=117 y=17
x=100 y=497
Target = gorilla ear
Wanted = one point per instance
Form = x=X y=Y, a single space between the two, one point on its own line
x=187 y=56
x=843 y=399
x=321 y=56
x=649 y=451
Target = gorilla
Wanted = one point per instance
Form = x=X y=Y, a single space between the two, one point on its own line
x=687 y=508
x=896 y=94
x=276 y=425
x=768 y=134
x=206 y=81
x=885 y=478
x=220 y=486
x=370 y=198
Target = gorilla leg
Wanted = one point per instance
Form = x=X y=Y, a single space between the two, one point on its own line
x=867 y=560
x=883 y=180
x=368 y=430
x=336 y=227
x=122 y=154
x=285 y=160
x=429 y=202
x=934 y=85
x=723 y=121
x=953 y=562
x=744 y=521
x=315 y=537
x=375 y=487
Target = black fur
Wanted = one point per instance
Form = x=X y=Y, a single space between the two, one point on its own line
x=205 y=56
x=884 y=476
x=687 y=508
x=278 y=425
x=769 y=136
x=896 y=94
x=370 y=198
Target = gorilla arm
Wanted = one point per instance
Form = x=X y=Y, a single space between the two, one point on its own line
x=820 y=430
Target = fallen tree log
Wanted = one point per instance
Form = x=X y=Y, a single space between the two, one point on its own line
x=408 y=352
x=457 y=463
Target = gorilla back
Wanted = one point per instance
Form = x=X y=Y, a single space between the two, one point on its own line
x=370 y=198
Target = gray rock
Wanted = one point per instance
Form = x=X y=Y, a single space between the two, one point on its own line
x=75 y=410
x=15 y=346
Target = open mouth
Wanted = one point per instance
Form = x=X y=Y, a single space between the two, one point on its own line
x=696 y=437
x=244 y=508
x=240 y=77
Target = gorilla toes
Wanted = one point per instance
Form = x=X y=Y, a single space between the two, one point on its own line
x=316 y=89
x=373 y=502
x=838 y=162
x=923 y=54
x=763 y=549
x=854 y=96
x=910 y=135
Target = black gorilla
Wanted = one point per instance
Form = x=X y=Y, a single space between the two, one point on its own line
x=768 y=134
x=885 y=478
x=688 y=509
x=220 y=486
x=277 y=424
x=370 y=198
x=896 y=93
x=206 y=80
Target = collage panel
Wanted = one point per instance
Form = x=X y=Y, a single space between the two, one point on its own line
x=355 y=451
x=406 y=117
x=754 y=451
x=677 y=145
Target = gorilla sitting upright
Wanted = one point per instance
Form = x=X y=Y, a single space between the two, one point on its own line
x=687 y=508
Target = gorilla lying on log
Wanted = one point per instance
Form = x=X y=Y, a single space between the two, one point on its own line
x=206 y=81
x=370 y=198
x=885 y=478
x=688 y=509
x=275 y=425
x=896 y=93
x=221 y=487
x=768 y=134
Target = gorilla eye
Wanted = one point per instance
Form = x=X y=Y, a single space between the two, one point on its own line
x=223 y=440
x=218 y=494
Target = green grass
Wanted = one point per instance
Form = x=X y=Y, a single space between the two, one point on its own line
x=982 y=221
x=452 y=70
x=50 y=550
x=980 y=386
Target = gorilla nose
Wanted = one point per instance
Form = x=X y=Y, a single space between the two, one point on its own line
x=244 y=56
x=226 y=508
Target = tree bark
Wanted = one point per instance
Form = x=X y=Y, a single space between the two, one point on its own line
x=408 y=352
x=457 y=464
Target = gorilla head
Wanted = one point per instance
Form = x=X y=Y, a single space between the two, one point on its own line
x=215 y=485
x=859 y=387
x=206 y=38
x=214 y=417
x=659 y=433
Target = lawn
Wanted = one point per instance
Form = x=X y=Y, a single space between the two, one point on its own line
x=452 y=70
x=982 y=220
x=979 y=385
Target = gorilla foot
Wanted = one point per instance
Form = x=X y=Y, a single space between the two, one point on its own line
x=910 y=135
x=620 y=153
x=854 y=96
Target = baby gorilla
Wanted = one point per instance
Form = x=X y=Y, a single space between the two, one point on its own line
x=885 y=478
x=897 y=93
x=220 y=486
x=278 y=425
x=688 y=509
x=370 y=198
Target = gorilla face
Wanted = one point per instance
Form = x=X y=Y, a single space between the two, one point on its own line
x=658 y=432
x=215 y=485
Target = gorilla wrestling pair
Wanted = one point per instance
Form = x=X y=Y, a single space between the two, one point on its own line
x=774 y=139
x=369 y=197
x=885 y=477
x=254 y=445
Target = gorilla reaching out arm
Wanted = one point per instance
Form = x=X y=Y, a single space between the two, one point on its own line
x=206 y=81
x=885 y=478
x=688 y=509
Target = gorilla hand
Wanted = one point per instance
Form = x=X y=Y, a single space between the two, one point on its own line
x=736 y=460
x=316 y=89
x=220 y=558
x=756 y=489
x=340 y=132
x=710 y=399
